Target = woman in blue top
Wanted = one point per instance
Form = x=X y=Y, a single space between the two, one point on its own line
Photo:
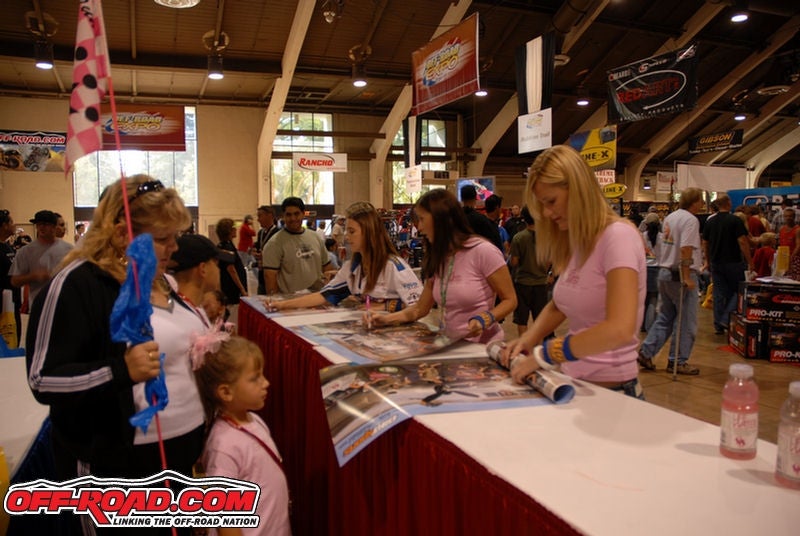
x=375 y=270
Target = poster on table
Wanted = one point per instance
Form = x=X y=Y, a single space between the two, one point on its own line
x=721 y=141
x=484 y=187
x=446 y=69
x=535 y=131
x=364 y=401
x=352 y=339
x=144 y=127
x=597 y=146
x=654 y=86
x=23 y=150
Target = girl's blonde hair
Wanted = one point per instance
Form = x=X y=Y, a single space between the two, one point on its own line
x=152 y=207
x=224 y=367
x=588 y=212
x=377 y=245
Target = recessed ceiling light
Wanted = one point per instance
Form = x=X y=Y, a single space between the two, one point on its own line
x=740 y=16
x=180 y=4
x=740 y=116
x=481 y=93
x=582 y=101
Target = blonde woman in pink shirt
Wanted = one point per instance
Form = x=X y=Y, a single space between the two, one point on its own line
x=600 y=260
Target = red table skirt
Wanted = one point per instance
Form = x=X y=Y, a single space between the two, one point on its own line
x=408 y=481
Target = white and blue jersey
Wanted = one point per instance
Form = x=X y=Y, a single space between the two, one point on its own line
x=397 y=286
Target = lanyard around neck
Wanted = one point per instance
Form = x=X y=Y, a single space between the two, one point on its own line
x=443 y=290
x=266 y=447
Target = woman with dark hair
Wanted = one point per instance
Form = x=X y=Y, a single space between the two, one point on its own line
x=89 y=381
x=233 y=277
x=463 y=274
x=375 y=270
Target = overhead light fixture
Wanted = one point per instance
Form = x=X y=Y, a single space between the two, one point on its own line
x=43 y=53
x=646 y=185
x=358 y=54
x=582 y=101
x=740 y=13
x=215 y=71
x=481 y=93
x=332 y=9
x=359 y=75
x=178 y=4
x=740 y=116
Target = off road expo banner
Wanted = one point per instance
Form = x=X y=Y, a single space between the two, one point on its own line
x=144 y=127
x=24 y=150
x=654 y=86
x=446 y=69
x=721 y=141
x=598 y=146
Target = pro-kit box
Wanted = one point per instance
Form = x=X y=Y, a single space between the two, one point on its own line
x=776 y=303
x=747 y=337
x=784 y=343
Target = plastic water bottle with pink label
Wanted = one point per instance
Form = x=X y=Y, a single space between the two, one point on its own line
x=787 y=466
x=739 y=422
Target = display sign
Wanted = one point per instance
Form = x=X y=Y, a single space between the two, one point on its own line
x=605 y=176
x=598 y=146
x=23 y=150
x=484 y=188
x=612 y=191
x=664 y=181
x=721 y=141
x=446 y=69
x=654 y=86
x=335 y=162
x=413 y=179
x=144 y=127
x=535 y=131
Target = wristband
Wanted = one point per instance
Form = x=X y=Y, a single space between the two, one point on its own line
x=554 y=350
x=485 y=319
x=567 y=350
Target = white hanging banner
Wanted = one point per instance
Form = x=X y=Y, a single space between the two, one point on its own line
x=710 y=178
x=414 y=179
x=534 y=131
x=335 y=162
x=663 y=181
x=605 y=176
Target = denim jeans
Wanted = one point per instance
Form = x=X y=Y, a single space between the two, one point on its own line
x=726 y=278
x=669 y=293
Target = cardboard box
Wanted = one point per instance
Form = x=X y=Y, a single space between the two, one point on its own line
x=783 y=342
x=747 y=337
x=770 y=302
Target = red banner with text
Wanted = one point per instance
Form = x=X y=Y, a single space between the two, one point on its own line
x=145 y=127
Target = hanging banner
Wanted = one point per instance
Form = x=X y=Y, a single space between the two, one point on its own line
x=534 y=131
x=414 y=179
x=605 y=176
x=598 y=146
x=721 y=141
x=446 y=69
x=144 y=127
x=534 y=69
x=22 y=150
x=654 y=86
x=334 y=162
x=664 y=181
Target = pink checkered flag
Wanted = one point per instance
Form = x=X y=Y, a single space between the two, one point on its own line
x=91 y=75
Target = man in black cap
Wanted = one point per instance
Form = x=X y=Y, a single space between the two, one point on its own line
x=195 y=267
x=35 y=263
x=479 y=223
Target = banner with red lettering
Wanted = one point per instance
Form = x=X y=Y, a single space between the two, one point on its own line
x=334 y=162
x=145 y=127
x=23 y=150
x=446 y=69
x=654 y=86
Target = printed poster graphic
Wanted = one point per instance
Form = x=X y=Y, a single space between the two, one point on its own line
x=24 y=150
x=598 y=146
x=535 y=131
x=144 y=127
x=362 y=402
x=446 y=68
x=654 y=86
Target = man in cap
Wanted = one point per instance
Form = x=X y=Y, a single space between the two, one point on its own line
x=195 y=267
x=479 y=223
x=34 y=263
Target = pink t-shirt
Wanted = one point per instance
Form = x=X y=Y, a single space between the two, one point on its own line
x=580 y=294
x=233 y=453
x=467 y=292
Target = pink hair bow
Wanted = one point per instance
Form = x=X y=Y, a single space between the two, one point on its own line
x=206 y=343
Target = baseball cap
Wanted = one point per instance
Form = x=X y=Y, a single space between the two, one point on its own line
x=194 y=249
x=45 y=216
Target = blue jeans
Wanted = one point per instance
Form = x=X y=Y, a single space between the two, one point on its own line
x=726 y=278
x=669 y=294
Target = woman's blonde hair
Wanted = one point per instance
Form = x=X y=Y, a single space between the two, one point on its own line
x=377 y=245
x=224 y=367
x=588 y=213
x=152 y=206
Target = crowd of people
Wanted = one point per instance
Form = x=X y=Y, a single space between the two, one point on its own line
x=563 y=256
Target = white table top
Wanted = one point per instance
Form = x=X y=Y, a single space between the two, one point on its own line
x=21 y=416
x=609 y=464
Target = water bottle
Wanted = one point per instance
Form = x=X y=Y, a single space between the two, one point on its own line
x=739 y=422
x=787 y=467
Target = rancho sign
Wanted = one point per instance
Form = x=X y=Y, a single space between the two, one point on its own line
x=334 y=162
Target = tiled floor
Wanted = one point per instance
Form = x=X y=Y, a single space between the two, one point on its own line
x=700 y=396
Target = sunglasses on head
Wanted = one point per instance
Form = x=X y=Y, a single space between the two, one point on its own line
x=146 y=187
